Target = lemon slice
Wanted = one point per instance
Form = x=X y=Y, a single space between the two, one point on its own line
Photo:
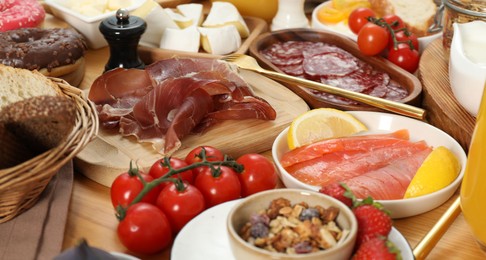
x=438 y=170
x=322 y=123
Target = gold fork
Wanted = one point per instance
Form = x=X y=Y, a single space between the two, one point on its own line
x=249 y=63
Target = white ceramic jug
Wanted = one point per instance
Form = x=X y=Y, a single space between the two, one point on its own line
x=467 y=64
x=290 y=14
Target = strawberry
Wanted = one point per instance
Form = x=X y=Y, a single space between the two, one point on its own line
x=340 y=192
x=372 y=219
x=377 y=248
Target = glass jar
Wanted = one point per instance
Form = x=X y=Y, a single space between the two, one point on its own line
x=460 y=11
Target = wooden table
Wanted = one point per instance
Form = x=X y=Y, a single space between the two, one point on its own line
x=92 y=217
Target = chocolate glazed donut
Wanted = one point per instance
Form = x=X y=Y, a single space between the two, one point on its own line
x=55 y=52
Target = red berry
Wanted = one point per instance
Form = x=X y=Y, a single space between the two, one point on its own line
x=377 y=248
x=372 y=222
x=337 y=191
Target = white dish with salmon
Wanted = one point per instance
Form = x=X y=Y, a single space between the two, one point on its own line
x=380 y=162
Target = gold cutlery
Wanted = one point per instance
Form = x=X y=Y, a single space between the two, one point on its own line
x=249 y=63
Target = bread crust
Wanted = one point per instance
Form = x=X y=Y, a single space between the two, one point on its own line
x=418 y=25
x=35 y=125
x=18 y=84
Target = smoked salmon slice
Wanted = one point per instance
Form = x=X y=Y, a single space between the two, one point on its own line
x=389 y=182
x=342 y=166
x=361 y=143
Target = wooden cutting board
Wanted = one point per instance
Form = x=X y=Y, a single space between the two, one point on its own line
x=110 y=153
x=443 y=109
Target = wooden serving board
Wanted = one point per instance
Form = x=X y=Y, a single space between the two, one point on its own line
x=110 y=153
x=443 y=109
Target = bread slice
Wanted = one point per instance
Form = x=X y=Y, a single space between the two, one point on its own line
x=19 y=84
x=418 y=15
x=42 y=122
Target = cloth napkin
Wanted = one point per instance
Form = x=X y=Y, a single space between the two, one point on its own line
x=38 y=232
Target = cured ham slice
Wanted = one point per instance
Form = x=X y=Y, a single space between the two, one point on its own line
x=117 y=91
x=174 y=97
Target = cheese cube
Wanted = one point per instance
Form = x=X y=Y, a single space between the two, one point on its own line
x=220 y=40
x=187 y=39
x=224 y=13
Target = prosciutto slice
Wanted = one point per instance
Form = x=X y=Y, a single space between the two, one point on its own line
x=117 y=91
x=173 y=98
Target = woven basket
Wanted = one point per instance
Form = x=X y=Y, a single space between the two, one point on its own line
x=21 y=185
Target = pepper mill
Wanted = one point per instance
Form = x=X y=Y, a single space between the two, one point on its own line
x=123 y=32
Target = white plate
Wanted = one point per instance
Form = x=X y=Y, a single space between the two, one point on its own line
x=378 y=122
x=343 y=29
x=205 y=237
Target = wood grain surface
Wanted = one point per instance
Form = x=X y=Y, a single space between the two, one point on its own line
x=443 y=109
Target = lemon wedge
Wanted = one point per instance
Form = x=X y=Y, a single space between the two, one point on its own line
x=322 y=123
x=438 y=170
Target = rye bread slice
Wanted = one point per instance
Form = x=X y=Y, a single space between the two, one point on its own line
x=41 y=122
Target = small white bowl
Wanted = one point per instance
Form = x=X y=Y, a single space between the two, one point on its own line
x=468 y=77
x=241 y=212
x=88 y=26
x=380 y=123
x=343 y=28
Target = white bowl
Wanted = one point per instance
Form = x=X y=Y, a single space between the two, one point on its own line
x=241 y=212
x=343 y=28
x=88 y=26
x=468 y=77
x=379 y=123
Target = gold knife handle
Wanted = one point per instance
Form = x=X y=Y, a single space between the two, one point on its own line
x=392 y=106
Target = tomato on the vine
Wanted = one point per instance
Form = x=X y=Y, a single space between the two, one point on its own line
x=212 y=155
x=144 y=229
x=127 y=186
x=358 y=18
x=158 y=170
x=219 y=186
x=372 y=39
x=402 y=36
x=180 y=206
x=394 y=21
x=404 y=57
x=259 y=174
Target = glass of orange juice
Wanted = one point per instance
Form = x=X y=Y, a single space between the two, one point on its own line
x=473 y=189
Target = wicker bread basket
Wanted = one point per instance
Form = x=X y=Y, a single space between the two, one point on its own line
x=21 y=185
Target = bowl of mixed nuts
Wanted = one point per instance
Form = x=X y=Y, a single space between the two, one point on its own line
x=291 y=224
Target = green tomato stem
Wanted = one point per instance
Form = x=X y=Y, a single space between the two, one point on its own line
x=148 y=186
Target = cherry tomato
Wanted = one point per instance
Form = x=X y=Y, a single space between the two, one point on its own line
x=394 y=21
x=145 y=229
x=401 y=36
x=258 y=175
x=127 y=186
x=212 y=155
x=180 y=206
x=372 y=39
x=158 y=170
x=404 y=57
x=218 y=187
x=359 y=17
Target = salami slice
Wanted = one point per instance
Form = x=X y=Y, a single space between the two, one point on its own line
x=294 y=70
x=329 y=64
x=332 y=65
x=395 y=91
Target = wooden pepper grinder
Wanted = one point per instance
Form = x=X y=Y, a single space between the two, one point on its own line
x=123 y=32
